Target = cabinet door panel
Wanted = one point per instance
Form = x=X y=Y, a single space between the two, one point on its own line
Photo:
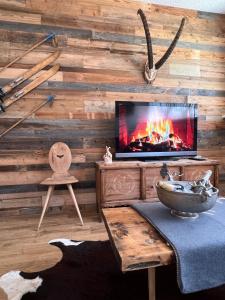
x=121 y=185
x=153 y=176
x=195 y=172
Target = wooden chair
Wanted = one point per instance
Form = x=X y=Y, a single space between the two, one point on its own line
x=60 y=159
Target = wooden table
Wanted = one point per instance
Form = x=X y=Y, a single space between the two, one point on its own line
x=136 y=244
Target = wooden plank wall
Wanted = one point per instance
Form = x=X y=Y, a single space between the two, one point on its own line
x=103 y=53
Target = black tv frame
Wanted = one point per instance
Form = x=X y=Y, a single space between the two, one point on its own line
x=156 y=155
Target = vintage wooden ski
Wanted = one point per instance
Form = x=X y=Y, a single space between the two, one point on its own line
x=49 y=37
x=29 y=87
x=8 y=87
x=49 y=100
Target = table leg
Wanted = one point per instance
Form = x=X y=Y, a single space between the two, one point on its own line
x=151 y=283
x=50 y=190
x=75 y=202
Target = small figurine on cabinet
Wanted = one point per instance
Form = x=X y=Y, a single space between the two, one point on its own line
x=107 y=156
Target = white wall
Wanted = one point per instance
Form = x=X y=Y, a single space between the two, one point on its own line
x=216 y=6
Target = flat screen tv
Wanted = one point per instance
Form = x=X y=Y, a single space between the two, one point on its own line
x=151 y=129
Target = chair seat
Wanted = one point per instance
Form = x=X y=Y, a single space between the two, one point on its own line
x=58 y=181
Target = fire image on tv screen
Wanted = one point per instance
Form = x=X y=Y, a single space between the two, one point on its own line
x=151 y=129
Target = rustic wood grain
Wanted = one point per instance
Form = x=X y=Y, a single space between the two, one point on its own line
x=136 y=243
x=103 y=51
x=20 y=243
x=125 y=183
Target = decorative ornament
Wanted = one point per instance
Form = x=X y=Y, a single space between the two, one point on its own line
x=107 y=156
x=151 y=69
x=149 y=74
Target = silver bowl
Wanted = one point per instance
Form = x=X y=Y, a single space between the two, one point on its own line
x=185 y=203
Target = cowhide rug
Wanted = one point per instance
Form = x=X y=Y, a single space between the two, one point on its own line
x=89 y=271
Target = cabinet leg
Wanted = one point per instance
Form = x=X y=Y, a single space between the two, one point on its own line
x=151 y=283
x=70 y=188
x=99 y=213
x=49 y=193
x=100 y=216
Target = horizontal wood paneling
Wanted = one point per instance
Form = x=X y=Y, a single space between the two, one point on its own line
x=103 y=51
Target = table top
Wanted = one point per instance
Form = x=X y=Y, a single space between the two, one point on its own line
x=124 y=164
x=135 y=242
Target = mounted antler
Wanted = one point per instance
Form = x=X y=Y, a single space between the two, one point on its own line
x=151 y=68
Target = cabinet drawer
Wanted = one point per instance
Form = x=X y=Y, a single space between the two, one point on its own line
x=121 y=185
x=193 y=173
x=153 y=176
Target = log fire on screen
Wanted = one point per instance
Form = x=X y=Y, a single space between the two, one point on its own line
x=155 y=129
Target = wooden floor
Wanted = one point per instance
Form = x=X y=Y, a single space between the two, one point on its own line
x=23 y=248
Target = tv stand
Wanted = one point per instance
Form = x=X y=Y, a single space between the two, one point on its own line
x=128 y=182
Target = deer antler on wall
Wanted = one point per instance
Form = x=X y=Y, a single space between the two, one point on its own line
x=151 y=68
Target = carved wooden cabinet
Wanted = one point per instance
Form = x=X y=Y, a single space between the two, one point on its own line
x=127 y=182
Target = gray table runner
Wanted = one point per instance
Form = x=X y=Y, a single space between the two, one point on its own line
x=199 y=244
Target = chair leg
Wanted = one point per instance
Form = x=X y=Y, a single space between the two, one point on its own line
x=49 y=193
x=70 y=188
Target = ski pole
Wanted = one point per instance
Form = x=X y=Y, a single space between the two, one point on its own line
x=49 y=100
x=49 y=37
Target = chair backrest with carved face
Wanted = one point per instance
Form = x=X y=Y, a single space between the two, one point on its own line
x=60 y=158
